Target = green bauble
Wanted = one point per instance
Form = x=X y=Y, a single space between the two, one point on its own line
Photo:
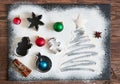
x=58 y=26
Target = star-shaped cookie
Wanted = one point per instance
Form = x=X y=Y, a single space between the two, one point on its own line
x=35 y=21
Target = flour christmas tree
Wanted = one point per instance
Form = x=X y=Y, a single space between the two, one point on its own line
x=79 y=49
x=77 y=45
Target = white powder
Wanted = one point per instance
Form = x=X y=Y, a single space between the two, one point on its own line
x=95 y=22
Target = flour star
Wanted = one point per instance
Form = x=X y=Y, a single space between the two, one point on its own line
x=35 y=21
x=80 y=22
x=97 y=34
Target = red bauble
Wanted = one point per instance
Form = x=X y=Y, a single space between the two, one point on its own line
x=40 y=41
x=17 y=20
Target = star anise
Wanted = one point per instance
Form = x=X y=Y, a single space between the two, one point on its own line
x=97 y=34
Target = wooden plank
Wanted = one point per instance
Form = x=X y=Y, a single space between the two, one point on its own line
x=116 y=33
x=54 y=82
x=3 y=40
x=2 y=13
x=115 y=71
x=3 y=69
x=94 y=1
x=57 y=1
x=36 y=1
x=59 y=82
x=3 y=26
x=3 y=47
x=115 y=40
x=3 y=8
x=3 y=32
x=115 y=1
x=3 y=56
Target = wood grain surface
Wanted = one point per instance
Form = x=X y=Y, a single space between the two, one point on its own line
x=115 y=41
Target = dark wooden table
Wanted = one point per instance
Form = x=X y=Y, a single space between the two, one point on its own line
x=115 y=41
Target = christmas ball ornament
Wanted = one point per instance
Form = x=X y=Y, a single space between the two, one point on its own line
x=58 y=26
x=43 y=63
x=40 y=41
x=17 y=20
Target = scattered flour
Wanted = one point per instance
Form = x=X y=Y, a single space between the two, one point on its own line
x=95 y=22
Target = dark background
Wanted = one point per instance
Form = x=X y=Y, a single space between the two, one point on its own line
x=115 y=41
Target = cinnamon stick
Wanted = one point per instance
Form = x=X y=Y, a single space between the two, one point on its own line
x=24 y=70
